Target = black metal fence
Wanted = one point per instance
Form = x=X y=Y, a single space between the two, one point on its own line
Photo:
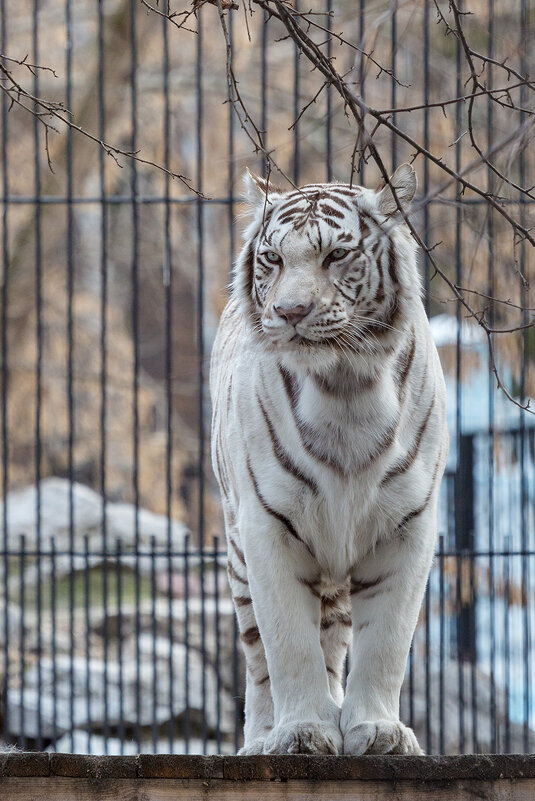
x=117 y=632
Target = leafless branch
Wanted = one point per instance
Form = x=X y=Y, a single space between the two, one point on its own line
x=47 y=111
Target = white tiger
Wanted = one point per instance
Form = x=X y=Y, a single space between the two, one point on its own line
x=329 y=441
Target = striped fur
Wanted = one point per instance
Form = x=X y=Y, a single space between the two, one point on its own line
x=329 y=442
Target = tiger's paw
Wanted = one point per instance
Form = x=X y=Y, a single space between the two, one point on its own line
x=255 y=746
x=381 y=737
x=304 y=738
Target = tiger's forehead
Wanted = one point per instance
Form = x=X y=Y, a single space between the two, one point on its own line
x=316 y=215
x=327 y=200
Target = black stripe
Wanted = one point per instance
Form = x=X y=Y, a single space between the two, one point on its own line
x=263 y=680
x=283 y=456
x=411 y=515
x=380 y=294
x=289 y=217
x=332 y=601
x=340 y=190
x=359 y=586
x=344 y=620
x=257 y=296
x=223 y=483
x=291 y=205
x=392 y=265
x=344 y=295
x=238 y=551
x=338 y=200
x=341 y=385
x=306 y=433
x=250 y=636
x=266 y=218
x=311 y=586
x=248 y=267
x=242 y=600
x=277 y=515
x=232 y=573
x=365 y=229
x=404 y=362
x=331 y=223
x=380 y=447
x=330 y=211
x=417 y=512
x=403 y=465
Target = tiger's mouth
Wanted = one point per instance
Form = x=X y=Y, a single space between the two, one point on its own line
x=299 y=342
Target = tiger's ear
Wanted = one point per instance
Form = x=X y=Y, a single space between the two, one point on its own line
x=258 y=190
x=405 y=184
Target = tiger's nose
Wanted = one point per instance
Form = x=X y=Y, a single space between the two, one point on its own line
x=293 y=314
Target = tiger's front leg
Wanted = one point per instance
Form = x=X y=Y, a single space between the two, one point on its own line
x=387 y=590
x=306 y=718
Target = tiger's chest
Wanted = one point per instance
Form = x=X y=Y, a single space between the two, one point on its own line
x=318 y=460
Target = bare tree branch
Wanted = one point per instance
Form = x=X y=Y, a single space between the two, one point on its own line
x=46 y=110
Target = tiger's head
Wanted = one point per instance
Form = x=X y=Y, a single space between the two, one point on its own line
x=327 y=267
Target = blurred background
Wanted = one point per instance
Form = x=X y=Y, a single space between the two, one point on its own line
x=117 y=632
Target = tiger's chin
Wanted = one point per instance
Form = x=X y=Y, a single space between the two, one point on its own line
x=307 y=355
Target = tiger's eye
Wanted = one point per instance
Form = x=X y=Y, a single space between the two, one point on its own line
x=336 y=255
x=273 y=257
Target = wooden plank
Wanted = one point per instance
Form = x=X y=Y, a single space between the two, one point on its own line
x=60 y=788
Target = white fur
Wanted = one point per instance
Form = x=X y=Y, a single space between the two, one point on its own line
x=350 y=527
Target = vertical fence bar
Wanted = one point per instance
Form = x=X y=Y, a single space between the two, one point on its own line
x=426 y=239
x=524 y=492
x=428 y=705
x=362 y=73
x=393 y=85
x=168 y=285
x=235 y=685
x=39 y=345
x=120 y=682
x=232 y=237
x=87 y=608
x=154 y=627
x=22 y=638
x=426 y=48
x=329 y=101
x=458 y=375
x=296 y=122
x=103 y=359
x=4 y=396
x=201 y=353
x=507 y=642
x=473 y=663
x=186 y=642
x=490 y=394
x=217 y=613
x=263 y=89
x=441 y=673
x=70 y=353
x=135 y=332
x=460 y=663
x=53 y=648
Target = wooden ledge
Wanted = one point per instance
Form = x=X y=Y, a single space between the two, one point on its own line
x=62 y=777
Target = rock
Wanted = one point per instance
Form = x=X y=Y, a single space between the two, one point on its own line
x=157 y=619
x=55 y=513
x=135 y=696
x=87 y=516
